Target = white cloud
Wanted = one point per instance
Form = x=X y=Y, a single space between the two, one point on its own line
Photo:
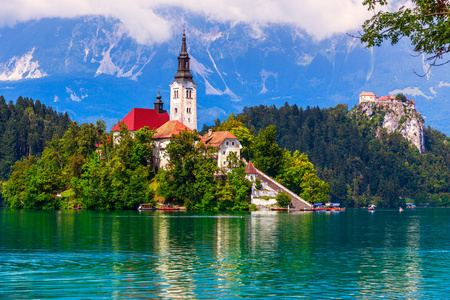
x=319 y=18
x=73 y=96
x=433 y=91
x=411 y=91
x=442 y=84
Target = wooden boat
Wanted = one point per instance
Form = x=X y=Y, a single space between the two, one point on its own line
x=334 y=207
x=319 y=207
x=168 y=207
x=146 y=206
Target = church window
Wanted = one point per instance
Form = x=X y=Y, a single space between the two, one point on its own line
x=189 y=119
x=232 y=143
x=175 y=94
x=223 y=152
x=176 y=110
x=189 y=94
x=226 y=143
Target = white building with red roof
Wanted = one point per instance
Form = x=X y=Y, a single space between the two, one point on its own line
x=162 y=139
x=138 y=118
x=225 y=143
x=367 y=97
x=251 y=172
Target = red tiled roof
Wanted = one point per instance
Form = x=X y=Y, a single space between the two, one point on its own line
x=217 y=138
x=250 y=169
x=170 y=128
x=141 y=117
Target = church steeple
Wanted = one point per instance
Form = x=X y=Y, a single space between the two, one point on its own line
x=183 y=91
x=159 y=104
x=183 y=71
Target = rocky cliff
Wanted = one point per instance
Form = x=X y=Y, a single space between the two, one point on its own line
x=395 y=116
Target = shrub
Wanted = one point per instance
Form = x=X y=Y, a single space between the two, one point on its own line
x=283 y=199
x=258 y=184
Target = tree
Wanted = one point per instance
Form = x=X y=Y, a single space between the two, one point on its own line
x=283 y=199
x=400 y=97
x=246 y=139
x=424 y=22
x=268 y=156
x=294 y=169
x=235 y=193
x=190 y=176
x=230 y=123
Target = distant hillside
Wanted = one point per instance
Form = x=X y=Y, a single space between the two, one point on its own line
x=360 y=167
x=25 y=129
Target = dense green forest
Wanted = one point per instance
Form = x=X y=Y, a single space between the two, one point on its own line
x=359 y=167
x=115 y=177
x=25 y=127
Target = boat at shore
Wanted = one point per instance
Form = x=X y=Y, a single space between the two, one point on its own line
x=410 y=206
x=319 y=207
x=168 y=207
x=371 y=207
x=146 y=206
x=151 y=206
x=334 y=207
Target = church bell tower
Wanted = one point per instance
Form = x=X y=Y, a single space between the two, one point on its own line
x=183 y=91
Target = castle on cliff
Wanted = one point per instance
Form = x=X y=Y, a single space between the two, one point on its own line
x=371 y=97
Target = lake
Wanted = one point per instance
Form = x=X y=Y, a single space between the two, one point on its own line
x=184 y=255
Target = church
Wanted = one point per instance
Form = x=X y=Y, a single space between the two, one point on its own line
x=183 y=116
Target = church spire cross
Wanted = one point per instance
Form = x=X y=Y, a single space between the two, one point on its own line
x=183 y=44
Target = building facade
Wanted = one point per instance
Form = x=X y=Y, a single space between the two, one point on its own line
x=225 y=143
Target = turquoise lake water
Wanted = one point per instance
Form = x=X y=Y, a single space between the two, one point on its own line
x=346 y=255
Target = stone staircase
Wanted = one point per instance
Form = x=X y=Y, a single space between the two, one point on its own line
x=297 y=202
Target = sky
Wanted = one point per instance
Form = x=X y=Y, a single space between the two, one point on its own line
x=318 y=18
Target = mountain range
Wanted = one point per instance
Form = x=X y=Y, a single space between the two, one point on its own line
x=91 y=68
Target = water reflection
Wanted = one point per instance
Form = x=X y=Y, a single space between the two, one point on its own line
x=195 y=255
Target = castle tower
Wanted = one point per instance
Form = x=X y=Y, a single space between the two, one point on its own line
x=183 y=91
